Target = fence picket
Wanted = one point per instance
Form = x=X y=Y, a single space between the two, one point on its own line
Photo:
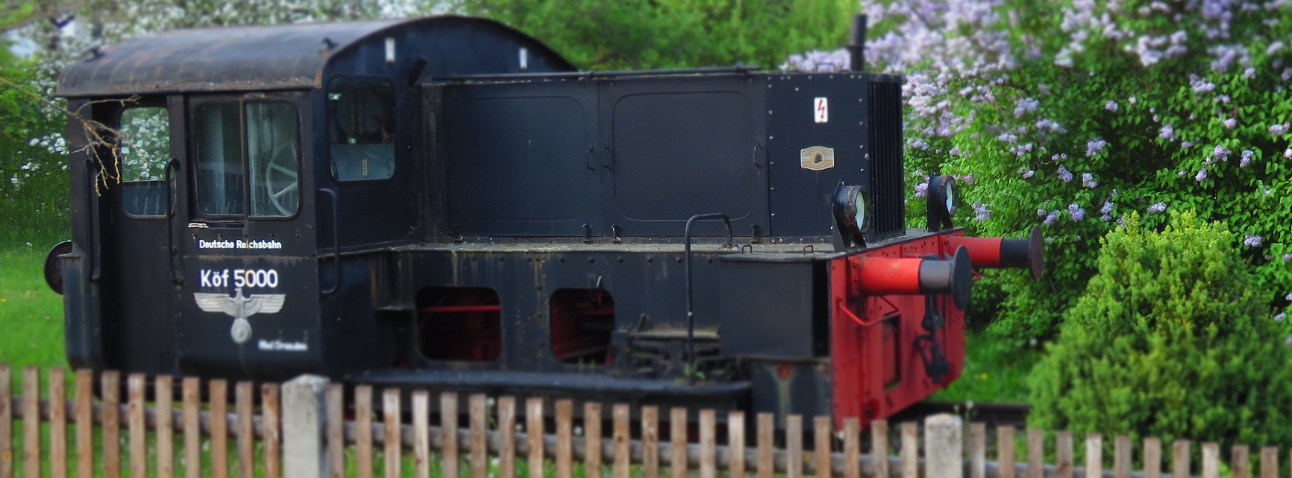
x=736 y=444
x=879 y=447
x=1121 y=456
x=479 y=416
x=592 y=440
x=851 y=448
x=57 y=423
x=394 y=442
x=822 y=426
x=422 y=434
x=1094 y=456
x=507 y=429
x=1152 y=458
x=534 y=433
x=910 y=450
x=564 y=438
x=31 y=421
x=1063 y=455
x=766 y=427
x=977 y=450
x=449 y=435
x=192 y=397
x=1035 y=453
x=677 y=431
x=1269 y=462
x=163 y=394
x=708 y=444
x=621 y=413
x=1180 y=459
x=111 y=393
x=1005 y=451
x=1240 y=461
x=1210 y=460
x=794 y=446
x=650 y=442
x=135 y=424
x=363 y=431
x=271 y=427
x=335 y=431
x=6 y=421
x=245 y=434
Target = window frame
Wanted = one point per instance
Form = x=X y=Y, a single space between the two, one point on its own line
x=157 y=103
x=242 y=101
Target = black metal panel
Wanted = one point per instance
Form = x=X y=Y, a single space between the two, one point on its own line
x=683 y=146
x=519 y=158
x=801 y=197
x=766 y=308
x=887 y=190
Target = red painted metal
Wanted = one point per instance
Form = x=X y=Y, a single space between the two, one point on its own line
x=876 y=368
x=983 y=251
x=883 y=275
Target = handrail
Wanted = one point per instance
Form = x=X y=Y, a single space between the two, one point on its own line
x=336 y=242
x=690 y=314
x=176 y=276
x=92 y=218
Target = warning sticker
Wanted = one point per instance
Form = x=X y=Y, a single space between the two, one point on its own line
x=821 y=108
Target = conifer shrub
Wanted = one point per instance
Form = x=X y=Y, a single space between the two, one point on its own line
x=1171 y=340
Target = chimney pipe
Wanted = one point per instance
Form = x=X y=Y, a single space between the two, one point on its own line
x=857 y=48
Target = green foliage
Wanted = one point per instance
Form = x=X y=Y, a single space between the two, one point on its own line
x=642 y=34
x=1172 y=339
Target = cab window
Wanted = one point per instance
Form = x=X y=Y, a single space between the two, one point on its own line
x=144 y=151
x=256 y=166
x=362 y=129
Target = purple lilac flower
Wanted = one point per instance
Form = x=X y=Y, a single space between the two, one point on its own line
x=1279 y=129
x=1108 y=207
x=981 y=211
x=1247 y=158
x=1064 y=175
x=1094 y=146
x=1288 y=297
x=1186 y=144
x=1111 y=106
x=954 y=152
x=1180 y=173
x=1040 y=212
x=1088 y=180
x=1230 y=123
x=1287 y=153
x=1025 y=105
x=1279 y=318
x=1167 y=132
x=1219 y=152
x=1076 y=212
x=1287 y=257
x=1133 y=100
x=1158 y=207
x=1201 y=176
x=921 y=189
x=1252 y=240
x=1028 y=174
x=1050 y=219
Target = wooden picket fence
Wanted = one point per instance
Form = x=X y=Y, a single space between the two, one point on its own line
x=302 y=430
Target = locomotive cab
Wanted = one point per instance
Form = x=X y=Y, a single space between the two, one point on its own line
x=446 y=203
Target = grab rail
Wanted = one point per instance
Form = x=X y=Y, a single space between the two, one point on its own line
x=690 y=314
x=175 y=275
x=336 y=242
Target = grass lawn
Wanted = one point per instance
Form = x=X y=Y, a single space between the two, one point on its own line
x=31 y=315
x=993 y=373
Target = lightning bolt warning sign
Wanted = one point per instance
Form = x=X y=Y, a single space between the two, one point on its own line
x=822 y=109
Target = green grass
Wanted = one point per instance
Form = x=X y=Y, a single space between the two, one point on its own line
x=31 y=315
x=993 y=372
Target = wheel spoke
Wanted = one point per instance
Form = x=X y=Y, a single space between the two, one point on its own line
x=286 y=172
x=286 y=190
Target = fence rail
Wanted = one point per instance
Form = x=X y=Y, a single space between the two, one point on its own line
x=302 y=429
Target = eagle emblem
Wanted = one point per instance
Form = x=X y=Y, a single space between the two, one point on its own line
x=240 y=307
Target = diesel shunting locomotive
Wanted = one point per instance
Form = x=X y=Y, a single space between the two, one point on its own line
x=447 y=203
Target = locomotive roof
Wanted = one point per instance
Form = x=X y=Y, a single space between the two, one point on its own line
x=256 y=57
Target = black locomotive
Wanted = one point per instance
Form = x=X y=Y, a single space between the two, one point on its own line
x=447 y=203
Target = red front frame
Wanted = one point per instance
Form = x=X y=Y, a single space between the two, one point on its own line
x=876 y=369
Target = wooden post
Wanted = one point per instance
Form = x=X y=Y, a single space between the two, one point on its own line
x=677 y=432
x=1005 y=451
x=620 y=414
x=1240 y=461
x=1180 y=459
x=422 y=434
x=1152 y=458
x=879 y=447
x=31 y=421
x=111 y=393
x=335 y=430
x=58 y=423
x=822 y=426
x=192 y=398
x=479 y=416
x=592 y=440
x=944 y=446
x=363 y=431
x=565 y=438
x=163 y=395
x=306 y=404
x=977 y=450
x=394 y=440
x=736 y=444
x=1210 y=460
x=793 y=446
x=246 y=434
x=910 y=450
x=84 y=420
x=1269 y=462
x=218 y=398
x=1063 y=455
x=766 y=427
x=138 y=430
x=851 y=448
x=6 y=421
x=1035 y=453
x=449 y=434
x=650 y=442
x=534 y=434
x=1094 y=456
x=708 y=444
x=1121 y=457
x=507 y=430
x=271 y=427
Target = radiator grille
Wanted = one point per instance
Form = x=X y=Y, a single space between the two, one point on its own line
x=886 y=185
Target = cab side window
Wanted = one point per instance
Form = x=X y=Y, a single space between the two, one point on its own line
x=362 y=129
x=258 y=165
x=143 y=152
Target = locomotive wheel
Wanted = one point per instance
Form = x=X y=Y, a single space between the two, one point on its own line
x=281 y=169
